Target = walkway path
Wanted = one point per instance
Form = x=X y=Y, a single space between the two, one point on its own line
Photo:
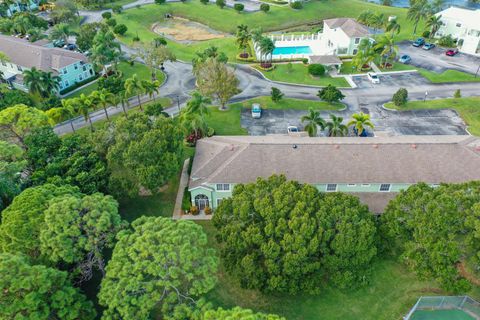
x=177 y=210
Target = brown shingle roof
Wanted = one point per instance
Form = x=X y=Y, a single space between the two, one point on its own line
x=26 y=54
x=404 y=159
x=350 y=26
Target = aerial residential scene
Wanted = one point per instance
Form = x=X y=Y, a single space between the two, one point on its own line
x=239 y=160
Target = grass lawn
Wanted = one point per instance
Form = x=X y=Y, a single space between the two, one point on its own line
x=466 y=107
x=391 y=292
x=140 y=20
x=142 y=72
x=448 y=76
x=349 y=68
x=299 y=74
x=228 y=122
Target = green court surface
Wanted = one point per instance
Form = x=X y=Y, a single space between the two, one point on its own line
x=441 y=315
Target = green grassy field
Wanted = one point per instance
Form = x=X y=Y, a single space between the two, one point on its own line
x=140 y=20
x=448 y=76
x=468 y=108
x=142 y=72
x=298 y=73
x=228 y=122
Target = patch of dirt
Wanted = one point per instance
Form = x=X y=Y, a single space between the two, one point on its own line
x=466 y=274
x=185 y=31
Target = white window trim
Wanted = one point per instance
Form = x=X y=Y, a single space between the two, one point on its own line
x=389 y=187
x=351 y=185
x=223 y=187
x=218 y=201
x=336 y=187
x=365 y=185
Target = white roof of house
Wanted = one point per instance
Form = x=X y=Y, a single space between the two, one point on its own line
x=466 y=16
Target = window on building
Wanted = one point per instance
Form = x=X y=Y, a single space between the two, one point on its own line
x=219 y=201
x=458 y=25
x=355 y=51
x=84 y=68
x=66 y=83
x=223 y=187
x=357 y=40
x=64 y=70
x=351 y=185
x=80 y=78
x=331 y=187
x=19 y=68
x=385 y=187
x=365 y=185
x=75 y=66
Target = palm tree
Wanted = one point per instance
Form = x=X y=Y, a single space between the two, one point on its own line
x=49 y=83
x=376 y=21
x=198 y=104
x=314 y=121
x=193 y=122
x=388 y=49
x=243 y=38
x=393 y=27
x=365 y=16
x=365 y=54
x=133 y=86
x=335 y=127
x=60 y=31
x=33 y=81
x=434 y=23
x=359 y=122
x=84 y=104
x=103 y=98
x=150 y=88
x=65 y=112
x=419 y=10
x=266 y=48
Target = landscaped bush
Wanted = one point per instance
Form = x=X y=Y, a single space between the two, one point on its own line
x=296 y=5
x=447 y=41
x=207 y=210
x=194 y=210
x=276 y=94
x=210 y=132
x=204 y=1
x=316 y=70
x=111 y=23
x=305 y=61
x=220 y=3
x=330 y=94
x=238 y=7
x=117 y=9
x=426 y=34
x=457 y=94
x=186 y=200
x=400 y=97
x=120 y=29
x=160 y=1
x=106 y=15
x=265 y=7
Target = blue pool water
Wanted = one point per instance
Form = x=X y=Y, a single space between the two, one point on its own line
x=292 y=50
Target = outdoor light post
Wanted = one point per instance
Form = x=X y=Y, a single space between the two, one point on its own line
x=478 y=69
x=425 y=98
x=178 y=104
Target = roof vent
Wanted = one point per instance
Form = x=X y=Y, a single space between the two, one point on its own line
x=414 y=146
x=294 y=146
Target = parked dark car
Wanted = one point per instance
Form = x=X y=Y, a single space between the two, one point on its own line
x=419 y=42
x=451 y=52
x=70 y=46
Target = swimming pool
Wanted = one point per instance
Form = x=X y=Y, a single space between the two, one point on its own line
x=292 y=50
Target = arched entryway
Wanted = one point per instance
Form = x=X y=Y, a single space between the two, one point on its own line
x=201 y=201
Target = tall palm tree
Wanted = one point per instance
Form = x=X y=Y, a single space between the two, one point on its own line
x=50 y=83
x=198 y=104
x=104 y=99
x=133 y=86
x=150 y=88
x=243 y=38
x=193 y=122
x=376 y=21
x=33 y=81
x=60 y=31
x=65 y=112
x=434 y=23
x=393 y=27
x=418 y=10
x=314 y=121
x=359 y=122
x=365 y=54
x=266 y=48
x=365 y=16
x=386 y=46
x=335 y=126
x=84 y=104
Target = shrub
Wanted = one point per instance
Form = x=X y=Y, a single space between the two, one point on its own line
x=111 y=23
x=210 y=132
x=276 y=94
x=208 y=210
x=238 y=7
x=154 y=109
x=220 y=3
x=316 y=70
x=194 y=210
x=106 y=15
x=446 y=41
x=204 y=1
x=289 y=67
x=265 y=7
x=426 y=34
x=296 y=5
x=400 y=97
x=120 y=29
x=160 y=1
x=457 y=94
x=117 y=8
x=305 y=61
x=330 y=94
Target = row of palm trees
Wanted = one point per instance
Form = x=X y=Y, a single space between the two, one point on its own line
x=334 y=126
x=41 y=84
x=84 y=104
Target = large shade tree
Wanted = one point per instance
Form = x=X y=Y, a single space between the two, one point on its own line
x=282 y=236
x=237 y=313
x=12 y=164
x=39 y=292
x=160 y=263
x=18 y=121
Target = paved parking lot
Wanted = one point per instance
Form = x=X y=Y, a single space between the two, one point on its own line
x=436 y=60
x=391 y=80
x=418 y=122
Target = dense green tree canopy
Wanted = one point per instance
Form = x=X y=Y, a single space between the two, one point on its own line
x=12 y=164
x=39 y=292
x=237 y=313
x=160 y=264
x=9 y=98
x=282 y=236
x=77 y=230
x=434 y=229
x=24 y=218
x=142 y=153
x=17 y=121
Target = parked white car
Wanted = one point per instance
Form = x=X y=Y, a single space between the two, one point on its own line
x=292 y=129
x=256 y=111
x=373 y=77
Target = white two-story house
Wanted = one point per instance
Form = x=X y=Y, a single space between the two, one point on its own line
x=343 y=35
x=71 y=67
x=463 y=25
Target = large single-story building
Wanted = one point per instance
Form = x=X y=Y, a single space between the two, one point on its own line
x=374 y=169
x=70 y=66
x=463 y=25
x=340 y=37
